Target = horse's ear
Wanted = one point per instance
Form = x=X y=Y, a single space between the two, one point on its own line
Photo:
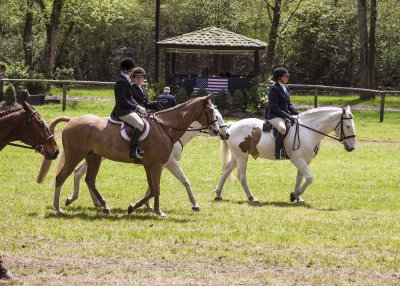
x=209 y=96
x=25 y=105
x=344 y=110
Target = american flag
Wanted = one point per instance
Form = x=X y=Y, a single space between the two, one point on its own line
x=211 y=84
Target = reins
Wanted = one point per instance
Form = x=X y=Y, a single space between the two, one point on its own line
x=342 y=135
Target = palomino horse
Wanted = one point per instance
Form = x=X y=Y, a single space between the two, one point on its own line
x=91 y=137
x=301 y=143
x=172 y=165
x=25 y=124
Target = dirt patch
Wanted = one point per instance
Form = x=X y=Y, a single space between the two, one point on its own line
x=76 y=270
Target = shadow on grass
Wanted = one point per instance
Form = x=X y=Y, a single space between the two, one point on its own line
x=117 y=214
x=276 y=204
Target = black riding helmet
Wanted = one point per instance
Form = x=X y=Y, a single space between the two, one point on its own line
x=127 y=64
x=279 y=72
x=139 y=72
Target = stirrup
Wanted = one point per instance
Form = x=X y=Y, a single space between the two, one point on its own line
x=280 y=155
x=136 y=154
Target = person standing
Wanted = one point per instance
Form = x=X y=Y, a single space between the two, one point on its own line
x=127 y=108
x=166 y=100
x=280 y=108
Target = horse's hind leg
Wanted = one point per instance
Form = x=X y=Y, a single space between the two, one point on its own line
x=93 y=165
x=176 y=170
x=225 y=174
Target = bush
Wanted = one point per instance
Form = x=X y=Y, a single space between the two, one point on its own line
x=257 y=95
x=64 y=73
x=10 y=95
x=159 y=87
x=17 y=70
x=36 y=87
x=238 y=100
x=181 y=96
x=223 y=100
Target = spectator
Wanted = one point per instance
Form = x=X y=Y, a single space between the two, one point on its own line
x=166 y=100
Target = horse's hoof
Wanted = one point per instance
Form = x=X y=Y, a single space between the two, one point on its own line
x=131 y=208
x=106 y=210
x=300 y=200
x=217 y=199
x=5 y=274
x=161 y=214
x=254 y=200
x=68 y=202
x=60 y=211
x=196 y=209
x=292 y=197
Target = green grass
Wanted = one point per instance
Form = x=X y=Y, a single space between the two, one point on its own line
x=347 y=232
x=85 y=92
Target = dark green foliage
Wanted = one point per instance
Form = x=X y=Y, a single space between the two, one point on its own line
x=10 y=95
x=36 y=87
x=64 y=73
x=200 y=93
x=222 y=100
x=181 y=96
x=238 y=100
x=159 y=87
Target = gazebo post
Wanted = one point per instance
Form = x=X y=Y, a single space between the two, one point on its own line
x=167 y=65
x=173 y=63
x=256 y=63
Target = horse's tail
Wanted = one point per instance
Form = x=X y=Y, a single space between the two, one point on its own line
x=60 y=164
x=226 y=157
x=44 y=168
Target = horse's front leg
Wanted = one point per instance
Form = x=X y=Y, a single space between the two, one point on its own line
x=303 y=171
x=176 y=170
x=153 y=178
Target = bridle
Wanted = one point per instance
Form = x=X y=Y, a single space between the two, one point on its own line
x=40 y=143
x=342 y=135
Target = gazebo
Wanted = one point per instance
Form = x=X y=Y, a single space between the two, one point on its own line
x=216 y=42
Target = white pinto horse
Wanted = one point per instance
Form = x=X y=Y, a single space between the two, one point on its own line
x=301 y=144
x=172 y=164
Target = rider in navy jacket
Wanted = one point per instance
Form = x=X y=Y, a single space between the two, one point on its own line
x=280 y=108
x=166 y=100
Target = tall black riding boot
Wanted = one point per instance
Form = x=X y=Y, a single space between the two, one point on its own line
x=278 y=146
x=134 y=152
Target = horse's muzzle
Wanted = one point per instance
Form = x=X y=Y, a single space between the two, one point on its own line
x=51 y=156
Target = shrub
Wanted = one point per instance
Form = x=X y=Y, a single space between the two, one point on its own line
x=36 y=87
x=201 y=92
x=159 y=87
x=223 y=99
x=10 y=95
x=17 y=70
x=181 y=96
x=63 y=73
x=238 y=100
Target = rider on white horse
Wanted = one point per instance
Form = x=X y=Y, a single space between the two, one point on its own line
x=279 y=108
x=126 y=107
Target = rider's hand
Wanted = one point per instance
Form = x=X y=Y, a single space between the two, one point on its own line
x=141 y=110
x=292 y=119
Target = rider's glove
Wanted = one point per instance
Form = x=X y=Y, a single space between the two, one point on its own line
x=141 y=110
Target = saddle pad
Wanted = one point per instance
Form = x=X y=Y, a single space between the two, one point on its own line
x=126 y=129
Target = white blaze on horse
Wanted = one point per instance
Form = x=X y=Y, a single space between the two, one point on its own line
x=301 y=143
x=91 y=138
x=172 y=165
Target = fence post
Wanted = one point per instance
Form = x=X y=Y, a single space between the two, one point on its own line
x=315 y=98
x=1 y=90
x=64 y=97
x=382 y=110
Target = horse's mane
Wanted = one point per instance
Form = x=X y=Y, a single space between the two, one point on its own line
x=7 y=109
x=311 y=113
x=177 y=106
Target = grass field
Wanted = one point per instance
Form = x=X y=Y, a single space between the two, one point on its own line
x=347 y=232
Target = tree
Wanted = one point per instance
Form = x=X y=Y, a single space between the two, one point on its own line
x=372 y=46
x=27 y=35
x=363 y=38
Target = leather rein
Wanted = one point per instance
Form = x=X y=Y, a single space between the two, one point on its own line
x=39 y=147
x=342 y=135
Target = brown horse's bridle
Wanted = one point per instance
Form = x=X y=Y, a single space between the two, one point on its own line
x=37 y=147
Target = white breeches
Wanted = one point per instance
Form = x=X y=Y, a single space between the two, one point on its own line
x=279 y=124
x=134 y=120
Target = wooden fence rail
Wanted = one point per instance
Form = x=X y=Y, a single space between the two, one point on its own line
x=315 y=88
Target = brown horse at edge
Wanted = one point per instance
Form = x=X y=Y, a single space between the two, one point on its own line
x=92 y=137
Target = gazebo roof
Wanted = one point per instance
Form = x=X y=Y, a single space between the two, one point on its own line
x=211 y=40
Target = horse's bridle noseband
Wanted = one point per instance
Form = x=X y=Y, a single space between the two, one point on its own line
x=40 y=144
x=342 y=135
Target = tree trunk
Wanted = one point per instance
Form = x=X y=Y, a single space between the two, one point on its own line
x=273 y=35
x=51 y=33
x=363 y=30
x=27 y=36
x=372 y=46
